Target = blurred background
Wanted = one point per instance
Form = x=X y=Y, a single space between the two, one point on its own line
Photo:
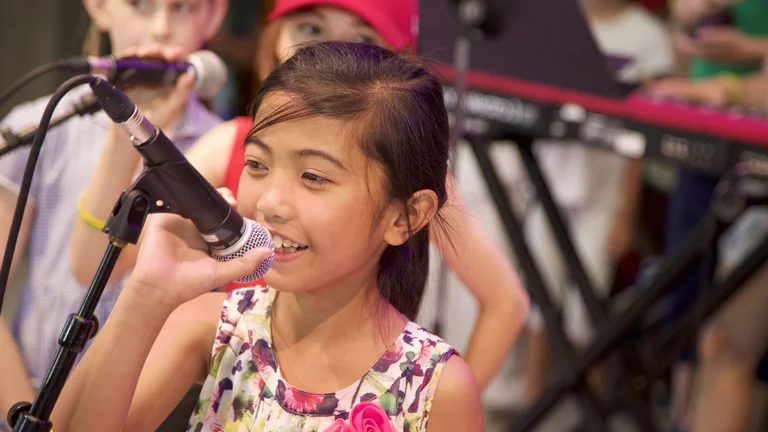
x=624 y=216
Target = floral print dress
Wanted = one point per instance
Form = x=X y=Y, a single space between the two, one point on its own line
x=245 y=391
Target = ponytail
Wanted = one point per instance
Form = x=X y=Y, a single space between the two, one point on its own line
x=403 y=272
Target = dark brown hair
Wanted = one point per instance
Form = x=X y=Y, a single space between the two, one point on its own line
x=399 y=120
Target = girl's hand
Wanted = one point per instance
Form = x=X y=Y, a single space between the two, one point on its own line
x=174 y=264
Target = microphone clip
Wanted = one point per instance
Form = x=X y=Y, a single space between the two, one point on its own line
x=151 y=192
x=127 y=218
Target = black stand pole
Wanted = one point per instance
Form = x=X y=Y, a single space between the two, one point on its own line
x=563 y=349
x=633 y=362
x=124 y=226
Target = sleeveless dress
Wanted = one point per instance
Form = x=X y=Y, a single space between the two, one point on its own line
x=245 y=390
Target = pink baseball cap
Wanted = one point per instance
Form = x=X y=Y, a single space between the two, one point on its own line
x=397 y=21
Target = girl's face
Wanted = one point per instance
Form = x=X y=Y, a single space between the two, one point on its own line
x=319 y=196
x=187 y=24
x=323 y=23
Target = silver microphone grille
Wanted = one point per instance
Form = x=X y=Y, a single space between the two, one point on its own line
x=256 y=236
x=210 y=73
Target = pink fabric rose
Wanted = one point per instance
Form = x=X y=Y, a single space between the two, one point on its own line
x=339 y=426
x=365 y=417
x=370 y=417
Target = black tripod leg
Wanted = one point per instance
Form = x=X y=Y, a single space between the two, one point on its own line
x=671 y=271
x=595 y=308
x=560 y=231
x=671 y=342
x=533 y=280
x=534 y=283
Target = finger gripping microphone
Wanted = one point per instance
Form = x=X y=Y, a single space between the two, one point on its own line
x=189 y=194
x=209 y=70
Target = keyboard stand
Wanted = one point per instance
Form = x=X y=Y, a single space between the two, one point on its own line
x=637 y=363
x=571 y=380
x=508 y=60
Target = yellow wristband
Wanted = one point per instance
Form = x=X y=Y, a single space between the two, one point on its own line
x=88 y=218
x=735 y=87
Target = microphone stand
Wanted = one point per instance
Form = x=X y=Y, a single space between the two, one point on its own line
x=124 y=225
x=472 y=15
x=150 y=193
x=85 y=106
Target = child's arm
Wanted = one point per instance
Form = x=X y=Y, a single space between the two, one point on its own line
x=141 y=364
x=484 y=268
x=7 y=208
x=113 y=174
x=456 y=404
x=15 y=387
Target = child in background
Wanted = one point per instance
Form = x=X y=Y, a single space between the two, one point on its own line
x=70 y=156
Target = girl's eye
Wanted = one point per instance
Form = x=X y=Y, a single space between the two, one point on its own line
x=183 y=7
x=310 y=29
x=255 y=165
x=315 y=179
x=139 y=4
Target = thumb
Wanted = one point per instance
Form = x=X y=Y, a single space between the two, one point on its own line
x=240 y=267
x=183 y=88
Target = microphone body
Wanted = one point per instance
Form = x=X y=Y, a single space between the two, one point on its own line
x=209 y=70
x=190 y=195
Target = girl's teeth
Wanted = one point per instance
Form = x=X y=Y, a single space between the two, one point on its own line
x=281 y=243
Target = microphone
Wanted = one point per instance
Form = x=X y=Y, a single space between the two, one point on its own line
x=228 y=234
x=209 y=70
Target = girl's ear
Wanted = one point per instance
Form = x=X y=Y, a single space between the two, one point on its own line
x=420 y=209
